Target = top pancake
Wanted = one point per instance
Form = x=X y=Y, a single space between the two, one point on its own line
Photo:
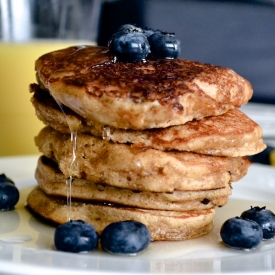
x=140 y=95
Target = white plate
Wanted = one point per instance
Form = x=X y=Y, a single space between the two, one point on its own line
x=264 y=115
x=26 y=243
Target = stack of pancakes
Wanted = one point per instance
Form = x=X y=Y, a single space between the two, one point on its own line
x=158 y=141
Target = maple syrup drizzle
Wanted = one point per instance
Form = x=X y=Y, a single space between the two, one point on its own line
x=70 y=179
x=106 y=133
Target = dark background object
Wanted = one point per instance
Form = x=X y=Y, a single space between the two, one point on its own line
x=263 y=157
x=116 y=13
x=22 y=21
x=70 y=19
x=235 y=34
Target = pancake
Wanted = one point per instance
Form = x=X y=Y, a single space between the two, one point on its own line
x=232 y=134
x=156 y=141
x=163 y=225
x=51 y=180
x=125 y=166
x=139 y=95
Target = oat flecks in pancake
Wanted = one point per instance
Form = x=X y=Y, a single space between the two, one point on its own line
x=163 y=225
x=51 y=181
x=125 y=166
x=231 y=134
x=154 y=94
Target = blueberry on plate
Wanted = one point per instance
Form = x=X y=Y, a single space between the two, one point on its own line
x=76 y=236
x=164 y=45
x=9 y=196
x=264 y=217
x=129 y=47
x=126 y=237
x=241 y=233
x=4 y=178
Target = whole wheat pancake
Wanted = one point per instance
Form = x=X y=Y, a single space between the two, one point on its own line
x=52 y=182
x=163 y=225
x=231 y=134
x=140 y=95
x=125 y=166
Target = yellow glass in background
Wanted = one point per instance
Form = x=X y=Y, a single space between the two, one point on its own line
x=18 y=122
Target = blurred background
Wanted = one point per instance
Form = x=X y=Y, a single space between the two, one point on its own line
x=236 y=34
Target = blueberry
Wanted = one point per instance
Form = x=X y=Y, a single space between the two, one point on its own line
x=129 y=28
x=262 y=157
x=129 y=47
x=148 y=32
x=164 y=45
x=126 y=237
x=9 y=195
x=4 y=178
x=75 y=236
x=241 y=233
x=264 y=217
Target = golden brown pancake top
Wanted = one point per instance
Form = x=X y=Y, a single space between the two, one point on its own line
x=139 y=95
x=163 y=80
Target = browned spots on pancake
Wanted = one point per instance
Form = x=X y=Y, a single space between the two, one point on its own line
x=140 y=95
x=93 y=68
